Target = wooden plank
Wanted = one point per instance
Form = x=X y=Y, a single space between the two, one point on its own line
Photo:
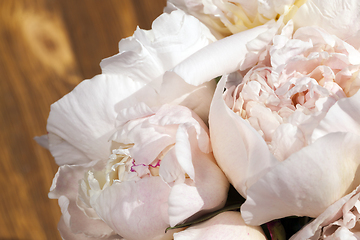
x=46 y=48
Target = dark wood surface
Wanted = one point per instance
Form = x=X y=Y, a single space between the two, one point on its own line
x=46 y=48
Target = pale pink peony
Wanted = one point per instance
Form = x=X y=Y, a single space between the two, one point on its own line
x=225 y=226
x=288 y=136
x=309 y=120
x=134 y=158
x=299 y=99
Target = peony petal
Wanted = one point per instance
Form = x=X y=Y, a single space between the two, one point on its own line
x=206 y=190
x=183 y=152
x=329 y=215
x=306 y=183
x=139 y=110
x=136 y=210
x=66 y=234
x=87 y=107
x=178 y=35
x=225 y=226
x=160 y=131
x=354 y=40
x=223 y=56
x=170 y=169
x=171 y=89
x=184 y=201
x=246 y=157
x=197 y=98
x=343 y=116
x=133 y=55
x=147 y=146
x=169 y=115
x=286 y=140
x=172 y=39
x=64 y=152
x=65 y=188
x=282 y=54
x=341 y=18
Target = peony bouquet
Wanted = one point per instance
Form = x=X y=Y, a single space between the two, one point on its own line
x=227 y=120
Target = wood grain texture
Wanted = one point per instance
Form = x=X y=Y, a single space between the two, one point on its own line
x=46 y=48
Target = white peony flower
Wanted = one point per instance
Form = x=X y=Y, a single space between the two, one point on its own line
x=305 y=107
x=134 y=158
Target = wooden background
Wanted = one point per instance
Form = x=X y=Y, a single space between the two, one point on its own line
x=46 y=48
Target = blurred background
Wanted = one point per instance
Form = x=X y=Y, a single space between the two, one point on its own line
x=46 y=48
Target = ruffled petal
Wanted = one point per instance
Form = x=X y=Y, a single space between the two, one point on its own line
x=65 y=189
x=246 y=157
x=83 y=120
x=308 y=182
x=225 y=226
x=172 y=39
x=160 y=131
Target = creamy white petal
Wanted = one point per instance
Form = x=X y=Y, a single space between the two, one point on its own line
x=65 y=188
x=222 y=57
x=85 y=118
x=306 y=183
x=171 y=89
x=173 y=38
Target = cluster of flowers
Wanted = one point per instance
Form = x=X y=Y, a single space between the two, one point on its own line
x=259 y=95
